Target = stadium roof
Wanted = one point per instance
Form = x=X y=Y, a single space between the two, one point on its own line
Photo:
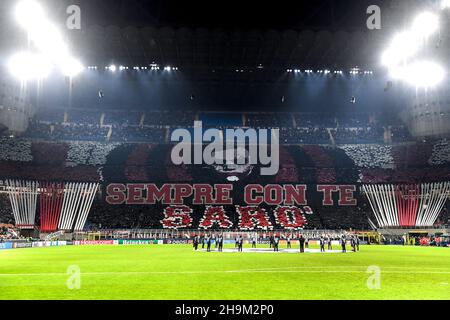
x=217 y=48
x=210 y=35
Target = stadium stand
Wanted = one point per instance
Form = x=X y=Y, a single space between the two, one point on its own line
x=152 y=127
x=117 y=146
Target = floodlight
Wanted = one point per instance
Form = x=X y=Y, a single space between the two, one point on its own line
x=424 y=74
x=49 y=40
x=29 y=14
x=420 y=74
x=28 y=66
x=425 y=24
x=71 y=67
x=112 y=68
x=403 y=46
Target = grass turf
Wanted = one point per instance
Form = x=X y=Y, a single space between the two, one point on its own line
x=169 y=272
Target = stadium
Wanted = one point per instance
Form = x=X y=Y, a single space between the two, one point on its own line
x=150 y=152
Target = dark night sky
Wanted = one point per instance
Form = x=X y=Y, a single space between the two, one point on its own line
x=243 y=14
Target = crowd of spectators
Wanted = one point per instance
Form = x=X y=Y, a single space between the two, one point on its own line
x=358 y=135
x=269 y=120
x=89 y=153
x=139 y=134
x=305 y=136
x=370 y=155
x=441 y=153
x=90 y=132
x=5 y=210
x=400 y=134
x=124 y=216
x=154 y=126
x=149 y=217
x=9 y=233
x=15 y=149
x=66 y=131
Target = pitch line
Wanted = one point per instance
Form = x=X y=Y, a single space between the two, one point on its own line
x=337 y=269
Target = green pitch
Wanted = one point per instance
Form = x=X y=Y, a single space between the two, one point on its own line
x=176 y=272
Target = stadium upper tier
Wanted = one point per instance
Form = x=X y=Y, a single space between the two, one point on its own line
x=156 y=127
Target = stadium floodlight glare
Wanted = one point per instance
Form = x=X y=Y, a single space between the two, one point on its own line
x=42 y=32
x=29 y=14
x=112 y=68
x=425 y=74
x=71 y=67
x=49 y=40
x=403 y=46
x=422 y=74
x=445 y=4
x=425 y=24
x=28 y=66
x=46 y=37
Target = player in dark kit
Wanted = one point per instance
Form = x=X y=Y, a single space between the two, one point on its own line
x=276 y=241
x=254 y=242
x=353 y=243
x=240 y=243
x=357 y=243
x=220 y=243
x=195 y=242
x=330 y=245
x=343 y=244
x=301 y=240
x=322 y=244
x=208 y=243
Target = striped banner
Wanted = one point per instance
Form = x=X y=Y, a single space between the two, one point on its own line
x=51 y=199
x=23 y=198
x=62 y=206
x=417 y=205
x=78 y=199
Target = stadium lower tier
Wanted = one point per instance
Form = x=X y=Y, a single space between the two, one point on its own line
x=223 y=217
x=65 y=185
x=49 y=216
